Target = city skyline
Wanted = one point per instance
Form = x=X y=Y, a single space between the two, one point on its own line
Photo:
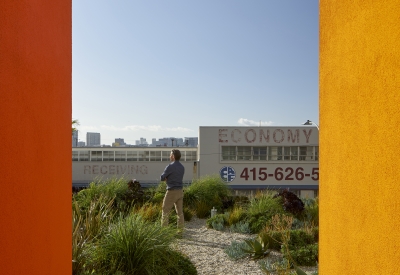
x=155 y=69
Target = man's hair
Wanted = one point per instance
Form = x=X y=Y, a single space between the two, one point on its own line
x=176 y=153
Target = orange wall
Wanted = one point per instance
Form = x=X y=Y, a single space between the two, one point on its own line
x=35 y=98
x=360 y=137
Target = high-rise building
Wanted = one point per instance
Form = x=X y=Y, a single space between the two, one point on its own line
x=93 y=139
x=75 y=139
x=81 y=144
x=119 y=142
x=191 y=141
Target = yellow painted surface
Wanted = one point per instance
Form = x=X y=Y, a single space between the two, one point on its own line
x=359 y=137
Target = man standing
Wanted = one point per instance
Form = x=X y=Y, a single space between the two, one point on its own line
x=173 y=175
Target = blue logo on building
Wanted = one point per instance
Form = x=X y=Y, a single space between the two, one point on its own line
x=227 y=173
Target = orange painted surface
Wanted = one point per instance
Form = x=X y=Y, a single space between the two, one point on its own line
x=35 y=98
x=359 y=137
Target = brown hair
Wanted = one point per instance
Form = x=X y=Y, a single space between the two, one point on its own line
x=176 y=153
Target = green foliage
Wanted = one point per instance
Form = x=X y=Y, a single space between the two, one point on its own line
x=149 y=211
x=306 y=255
x=88 y=227
x=187 y=214
x=202 y=209
x=257 y=249
x=217 y=222
x=272 y=237
x=235 y=250
x=241 y=227
x=114 y=188
x=209 y=190
x=236 y=215
x=136 y=246
x=261 y=209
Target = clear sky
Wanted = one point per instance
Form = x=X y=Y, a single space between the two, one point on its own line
x=157 y=69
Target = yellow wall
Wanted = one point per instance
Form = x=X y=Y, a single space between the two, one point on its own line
x=360 y=137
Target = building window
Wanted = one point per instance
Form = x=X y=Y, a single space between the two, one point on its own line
x=165 y=155
x=120 y=155
x=228 y=152
x=143 y=155
x=83 y=155
x=108 y=156
x=306 y=153
x=189 y=155
x=155 y=155
x=275 y=153
x=131 y=156
x=244 y=153
x=96 y=155
x=260 y=153
x=75 y=155
x=269 y=153
x=290 y=153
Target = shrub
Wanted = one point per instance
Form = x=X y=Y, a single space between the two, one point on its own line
x=236 y=215
x=235 y=250
x=136 y=246
x=209 y=190
x=115 y=188
x=305 y=255
x=241 y=227
x=202 y=209
x=87 y=227
x=261 y=209
x=217 y=222
x=149 y=211
x=187 y=214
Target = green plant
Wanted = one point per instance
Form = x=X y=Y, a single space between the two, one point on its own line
x=261 y=209
x=187 y=214
x=306 y=255
x=236 y=215
x=114 y=188
x=209 y=190
x=241 y=227
x=257 y=249
x=149 y=211
x=218 y=221
x=87 y=227
x=202 y=209
x=235 y=250
x=136 y=246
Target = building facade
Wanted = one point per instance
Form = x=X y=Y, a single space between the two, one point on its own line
x=93 y=139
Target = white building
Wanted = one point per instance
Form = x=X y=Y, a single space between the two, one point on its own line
x=93 y=139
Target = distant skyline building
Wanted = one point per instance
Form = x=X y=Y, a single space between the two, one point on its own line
x=81 y=144
x=75 y=139
x=93 y=139
x=191 y=141
x=119 y=142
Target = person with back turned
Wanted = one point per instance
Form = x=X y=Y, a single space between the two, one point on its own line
x=173 y=175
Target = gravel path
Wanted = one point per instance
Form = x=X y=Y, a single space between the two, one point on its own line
x=205 y=248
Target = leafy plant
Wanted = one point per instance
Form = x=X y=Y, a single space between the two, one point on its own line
x=87 y=227
x=136 y=246
x=241 y=227
x=202 y=209
x=209 y=190
x=257 y=249
x=219 y=218
x=236 y=215
x=235 y=250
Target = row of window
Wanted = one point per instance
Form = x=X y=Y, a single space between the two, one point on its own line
x=269 y=153
x=130 y=155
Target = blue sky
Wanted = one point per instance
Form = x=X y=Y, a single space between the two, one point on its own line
x=157 y=69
